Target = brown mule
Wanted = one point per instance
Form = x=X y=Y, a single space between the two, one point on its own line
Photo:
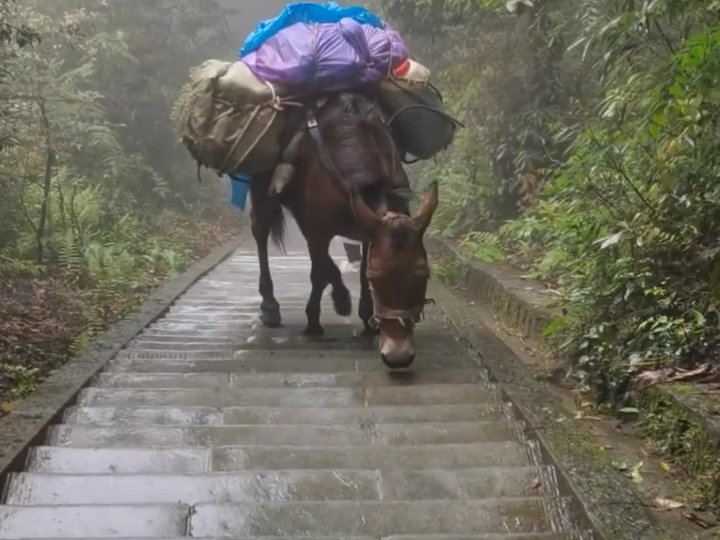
x=349 y=181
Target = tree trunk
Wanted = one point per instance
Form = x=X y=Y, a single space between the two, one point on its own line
x=47 y=184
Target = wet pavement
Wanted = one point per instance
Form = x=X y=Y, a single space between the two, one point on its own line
x=210 y=426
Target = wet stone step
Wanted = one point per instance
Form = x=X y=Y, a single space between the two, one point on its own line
x=237 y=322
x=228 y=344
x=228 y=332
x=45 y=459
x=162 y=416
x=255 y=343
x=227 y=310
x=379 y=518
x=61 y=460
x=449 y=394
x=140 y=521
x=276 y=364
x=290 y=380
x=206 y=416
x=431 y=456
x=334 y=339
x=351 y=352
x=71 y=435
x=281 y=486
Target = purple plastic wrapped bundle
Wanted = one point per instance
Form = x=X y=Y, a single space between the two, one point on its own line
x=327 y=56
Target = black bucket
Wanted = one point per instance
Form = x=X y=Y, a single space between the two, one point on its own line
x=417 y=118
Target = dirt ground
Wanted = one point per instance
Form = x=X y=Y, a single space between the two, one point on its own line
x=42 y=318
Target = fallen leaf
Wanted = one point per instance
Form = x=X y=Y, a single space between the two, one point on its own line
x=667 y=504
x=635 y=473
x=629 y=410
x=665 y=467
x=10 y=406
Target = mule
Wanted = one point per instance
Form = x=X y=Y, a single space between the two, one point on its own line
x=349 y=181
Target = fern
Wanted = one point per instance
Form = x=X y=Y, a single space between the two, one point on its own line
x=11 y=265
x=69 y=255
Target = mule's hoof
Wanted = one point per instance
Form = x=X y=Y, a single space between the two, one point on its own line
x=313 y=330
x=342 y=301
x=270 y=317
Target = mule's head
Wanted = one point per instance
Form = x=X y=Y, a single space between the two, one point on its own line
x=398 y=273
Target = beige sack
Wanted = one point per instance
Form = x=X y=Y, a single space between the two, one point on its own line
x=228 y=119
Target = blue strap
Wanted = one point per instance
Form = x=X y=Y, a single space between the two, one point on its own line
x=239 y=188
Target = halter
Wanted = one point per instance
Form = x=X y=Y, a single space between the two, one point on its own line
x=406 y=317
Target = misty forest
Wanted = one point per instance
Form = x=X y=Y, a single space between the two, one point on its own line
x=589 y=161
x=99 y=202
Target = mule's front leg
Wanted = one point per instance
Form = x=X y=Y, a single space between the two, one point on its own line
x=319 y=280
x=342 y=300
x=365 y=304
x=261 y=224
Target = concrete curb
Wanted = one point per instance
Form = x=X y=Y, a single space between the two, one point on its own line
x=27 y=425
x=608 y=501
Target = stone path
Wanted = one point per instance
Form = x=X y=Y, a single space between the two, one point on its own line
x=210 y=426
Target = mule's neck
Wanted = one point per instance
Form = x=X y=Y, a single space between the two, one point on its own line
x=382 y=200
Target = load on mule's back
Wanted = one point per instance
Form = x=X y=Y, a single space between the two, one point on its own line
x=318 y=116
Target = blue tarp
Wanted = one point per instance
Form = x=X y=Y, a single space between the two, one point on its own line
x=306 y=12
x=239 y=187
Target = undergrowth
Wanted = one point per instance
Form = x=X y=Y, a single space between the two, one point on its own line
x=590 y=162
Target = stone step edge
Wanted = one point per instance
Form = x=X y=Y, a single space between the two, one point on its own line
x=544 y=481
x=557 y=510
x=250 y=472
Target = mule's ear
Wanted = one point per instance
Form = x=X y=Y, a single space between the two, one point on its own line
x=368 y=221
x=428 y=205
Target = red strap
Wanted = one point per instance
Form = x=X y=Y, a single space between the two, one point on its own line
x=402 y=68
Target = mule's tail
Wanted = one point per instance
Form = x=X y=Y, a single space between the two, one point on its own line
x=277 y=226
x=267 y=210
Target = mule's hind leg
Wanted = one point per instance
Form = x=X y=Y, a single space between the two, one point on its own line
x=365 y=304
x=262 y=218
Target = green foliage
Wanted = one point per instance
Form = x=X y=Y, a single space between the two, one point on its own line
x=592 y=162
x=99 y=202
x=24 y=380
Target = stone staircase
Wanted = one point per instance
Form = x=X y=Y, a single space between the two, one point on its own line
x=210 y=426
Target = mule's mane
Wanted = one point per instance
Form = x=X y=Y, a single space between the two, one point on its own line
x=357 y=140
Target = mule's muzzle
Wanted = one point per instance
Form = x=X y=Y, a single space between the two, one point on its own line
x=397 y=363
x=397 y=354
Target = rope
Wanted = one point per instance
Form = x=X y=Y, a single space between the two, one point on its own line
x=278 y=105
